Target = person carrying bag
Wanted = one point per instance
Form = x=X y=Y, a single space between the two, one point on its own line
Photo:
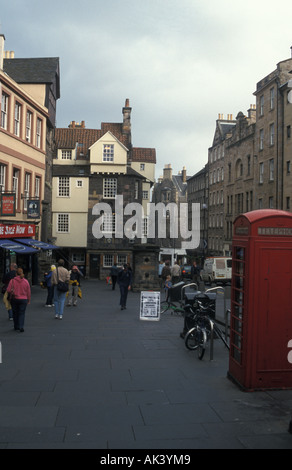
x=60 y=279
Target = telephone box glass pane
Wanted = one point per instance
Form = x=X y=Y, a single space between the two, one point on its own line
x=238 y=303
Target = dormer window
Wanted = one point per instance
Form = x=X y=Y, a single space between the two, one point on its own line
x=108 y=153
x=66 y=155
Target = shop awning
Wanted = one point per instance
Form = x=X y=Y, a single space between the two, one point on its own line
x=12 y=245
x=36 y=244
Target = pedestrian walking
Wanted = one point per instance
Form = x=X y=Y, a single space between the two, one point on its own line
x=125 y=282
x=50 y=287
x=167 y=286
x=166 y=271
x=6 y=279
x=114 y=275
x=175 y=273
x=195 y=273
x=160 y=268
x=19 y=288
x=60 y=274
x=74 y=285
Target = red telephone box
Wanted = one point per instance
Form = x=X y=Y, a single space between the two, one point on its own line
x=261 y=300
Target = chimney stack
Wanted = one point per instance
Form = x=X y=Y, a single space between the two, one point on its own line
x=2 y=42
x=167 y=172
x=127 y=119
x=184 y=175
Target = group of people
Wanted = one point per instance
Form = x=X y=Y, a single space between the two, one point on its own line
x=17 y=293
x=56 y=297
x=171 y=275
x=124 y=279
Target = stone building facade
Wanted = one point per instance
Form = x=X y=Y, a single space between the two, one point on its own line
x=217 y=182
x=269 y=137
x=249 y=162
x=170 y=190
x=94 y=169
x=198 y=193
x=239 y=173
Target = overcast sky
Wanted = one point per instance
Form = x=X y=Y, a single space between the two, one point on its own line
x=180 y=63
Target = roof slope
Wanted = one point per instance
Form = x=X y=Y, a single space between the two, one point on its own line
x=38 y=70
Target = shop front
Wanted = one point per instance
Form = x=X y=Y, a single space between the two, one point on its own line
x=17 y=245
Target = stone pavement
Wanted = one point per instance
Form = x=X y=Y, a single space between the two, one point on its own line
x=101 y=378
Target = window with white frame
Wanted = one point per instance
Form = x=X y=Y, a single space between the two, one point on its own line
x=121 y=260
x=108 y=153
x=272 y=134
x=108 y=223
x=262 y=105
x=37 y=186
x=145 y=227
x=272 y=98
x=15 y=185
x=66 y=155
x=2 y=177
x=261 y=172
x=142 y=166
x=271 y=169
x=261 y=139
x=4 y=110
x=39 y=133
x=108 y=261
x=28 y=126
x=78 y=257
x=17 y=113
x=110 y=187
x=79 y=183
x=63 y=223
x=27 y=180
x=145 y=194
x=64 y=186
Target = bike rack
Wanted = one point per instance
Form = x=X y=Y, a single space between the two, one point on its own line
x=227 y=312
x=183 y=287
x=211 y=340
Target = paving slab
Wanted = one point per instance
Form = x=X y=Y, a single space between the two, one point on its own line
x=104 y=379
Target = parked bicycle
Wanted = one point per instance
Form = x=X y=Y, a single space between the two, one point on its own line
x=175 y=303
x=204 y=327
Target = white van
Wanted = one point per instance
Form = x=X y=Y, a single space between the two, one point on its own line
x=217 y=269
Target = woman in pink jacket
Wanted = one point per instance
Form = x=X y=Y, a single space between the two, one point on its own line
x=20 y=288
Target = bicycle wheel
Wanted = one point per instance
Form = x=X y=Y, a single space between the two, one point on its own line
x=191 y=338
x=164 y=306
x=202 y=343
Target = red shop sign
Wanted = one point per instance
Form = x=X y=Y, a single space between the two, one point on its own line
x=17 y=230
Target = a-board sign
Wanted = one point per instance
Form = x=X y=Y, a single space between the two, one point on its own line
x=150 y=305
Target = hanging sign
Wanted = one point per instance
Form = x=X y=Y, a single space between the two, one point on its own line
x=33 y=209
x=8 y=204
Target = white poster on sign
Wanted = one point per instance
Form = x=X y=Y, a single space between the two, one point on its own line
x=150 y=306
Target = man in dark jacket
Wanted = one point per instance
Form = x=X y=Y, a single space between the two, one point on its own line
x=125 y=282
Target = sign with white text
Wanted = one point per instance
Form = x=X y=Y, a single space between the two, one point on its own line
x=150 y=305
